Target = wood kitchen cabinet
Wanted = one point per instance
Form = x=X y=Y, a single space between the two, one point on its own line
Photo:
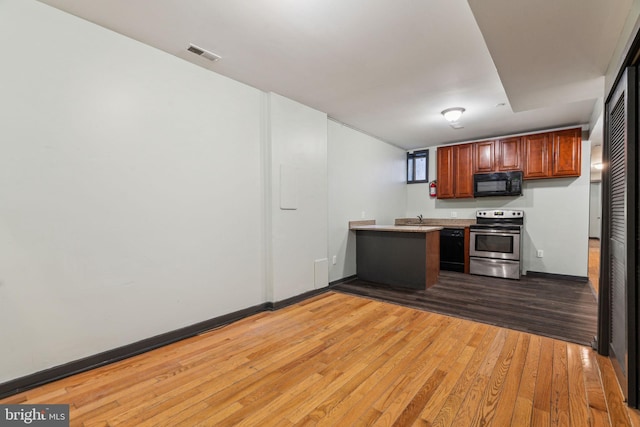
x=444 y=174
x=509 y=154
x=553 y=154
x=543 y=155
x=497 y=156
x=567 y=152
x=455 y=171
x=463 y=156
x=484 y=157
x=536 y=148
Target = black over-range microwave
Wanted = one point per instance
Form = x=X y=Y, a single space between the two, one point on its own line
x=497 y=184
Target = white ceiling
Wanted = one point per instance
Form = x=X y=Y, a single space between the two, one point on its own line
x=389 y=67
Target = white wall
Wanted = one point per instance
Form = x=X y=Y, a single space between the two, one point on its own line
x=556 y=217
x=130 y=187
x=595 y=209
x=298 y=163
x=367 y=177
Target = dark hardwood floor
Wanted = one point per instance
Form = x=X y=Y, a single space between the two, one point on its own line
x=561 y=309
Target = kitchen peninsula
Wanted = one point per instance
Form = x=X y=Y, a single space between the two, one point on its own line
x=403 y=256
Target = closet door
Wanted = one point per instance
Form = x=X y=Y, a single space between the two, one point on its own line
x=618 y=304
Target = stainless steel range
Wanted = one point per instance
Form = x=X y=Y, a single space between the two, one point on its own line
x=496 y=243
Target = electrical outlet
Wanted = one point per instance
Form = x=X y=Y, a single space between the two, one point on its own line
x=454 y=214
x=540 y=253
x=334 y=260
x=362 y=215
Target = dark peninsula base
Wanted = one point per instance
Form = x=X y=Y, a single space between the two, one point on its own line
x=404 y=259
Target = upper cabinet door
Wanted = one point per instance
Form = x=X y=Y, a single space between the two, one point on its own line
x=463 y=171
x=455 y=171
x=567 y=152
x=509 y=154
x=445 y=173
x=484 y=154
x=536 y=154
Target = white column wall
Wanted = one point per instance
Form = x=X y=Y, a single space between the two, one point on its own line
x=298 y=233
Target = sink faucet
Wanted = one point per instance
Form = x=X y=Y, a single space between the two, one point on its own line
x=420 y=218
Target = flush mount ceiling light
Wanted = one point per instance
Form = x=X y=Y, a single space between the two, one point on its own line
x=452 y=115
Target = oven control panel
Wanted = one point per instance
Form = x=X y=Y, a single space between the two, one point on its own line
x=495 y=213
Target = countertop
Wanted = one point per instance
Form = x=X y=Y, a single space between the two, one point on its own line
x=397 y=228
x=437 y=222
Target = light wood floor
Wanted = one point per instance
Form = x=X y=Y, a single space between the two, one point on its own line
x=341 y=360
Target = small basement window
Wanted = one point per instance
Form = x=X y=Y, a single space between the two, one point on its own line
x=417 y=166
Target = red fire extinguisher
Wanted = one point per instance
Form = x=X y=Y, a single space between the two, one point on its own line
x=432 y=189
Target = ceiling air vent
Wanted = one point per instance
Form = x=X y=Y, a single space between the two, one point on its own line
x=203 y=52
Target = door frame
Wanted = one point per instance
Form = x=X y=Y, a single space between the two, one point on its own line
x=595 y=212
x=627 y=83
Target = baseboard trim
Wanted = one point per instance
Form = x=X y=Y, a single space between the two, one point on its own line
x=296 y=299
x=30 y=381
x=557 y=276
x=343 y=280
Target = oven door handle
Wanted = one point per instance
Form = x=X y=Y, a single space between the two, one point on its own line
x=496 y=232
